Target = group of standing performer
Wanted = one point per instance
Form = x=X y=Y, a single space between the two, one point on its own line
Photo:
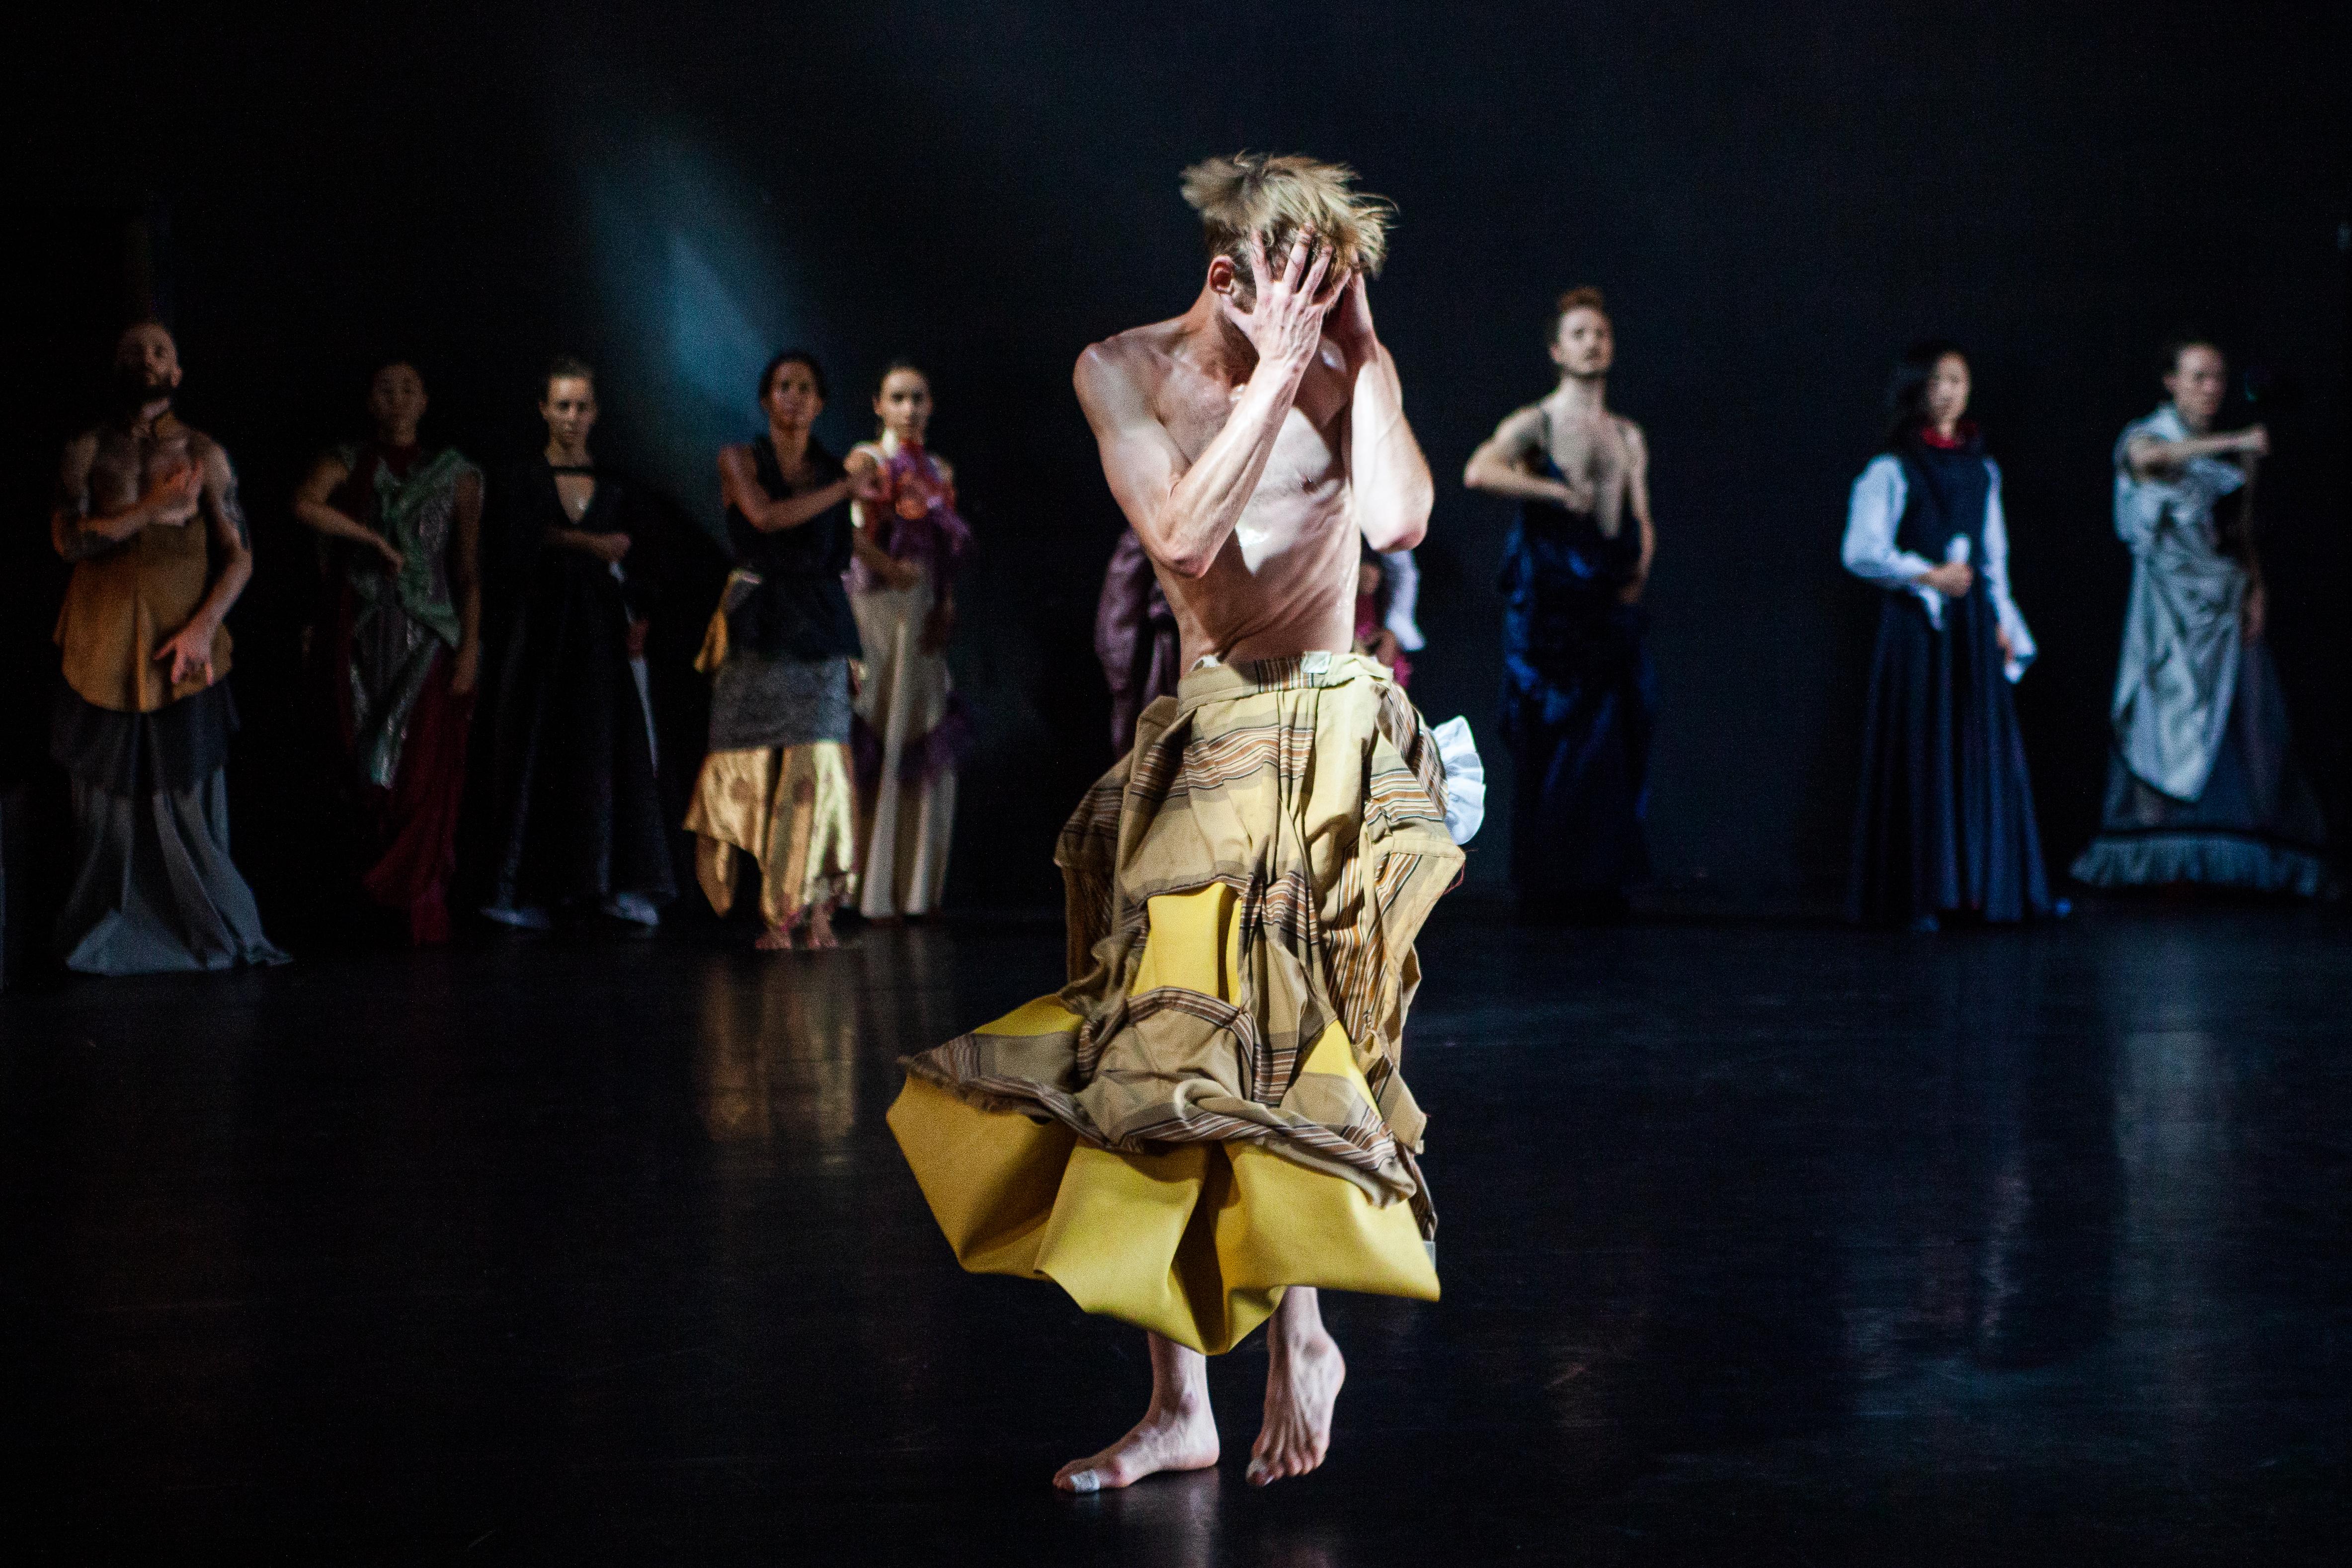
x=835 y=734
x=2203 y=786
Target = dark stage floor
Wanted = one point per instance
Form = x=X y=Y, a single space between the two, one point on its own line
x=1761 y=1244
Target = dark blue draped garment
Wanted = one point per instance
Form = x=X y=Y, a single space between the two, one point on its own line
x=1579 y=703
x=1945 y=820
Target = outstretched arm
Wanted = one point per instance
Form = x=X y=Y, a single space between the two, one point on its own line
x=1500 y=466
x=191 y=648
x=1185 y=512
x=2151 y=459
x=1388 y=475
x=738 y=483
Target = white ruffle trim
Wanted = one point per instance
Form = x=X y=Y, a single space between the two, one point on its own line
x=1466 y=779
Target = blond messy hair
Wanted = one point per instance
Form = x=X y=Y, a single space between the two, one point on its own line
x=1276 y=197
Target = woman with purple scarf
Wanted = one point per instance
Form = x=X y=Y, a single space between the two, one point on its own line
x=910 y=732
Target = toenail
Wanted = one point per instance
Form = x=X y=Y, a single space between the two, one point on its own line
x=1085 y=1481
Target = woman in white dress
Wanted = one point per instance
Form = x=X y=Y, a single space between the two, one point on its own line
x=910 y=732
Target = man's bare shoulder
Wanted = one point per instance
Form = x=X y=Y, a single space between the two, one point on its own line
x=1132 y=361
x=82 y=450
x=1631 y=434
x=1522 y=427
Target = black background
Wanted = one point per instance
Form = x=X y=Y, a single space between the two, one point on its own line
x=1775 y=204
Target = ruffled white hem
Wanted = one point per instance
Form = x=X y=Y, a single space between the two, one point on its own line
x=1466 y=779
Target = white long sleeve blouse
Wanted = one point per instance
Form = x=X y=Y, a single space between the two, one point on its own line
x=1870 y=553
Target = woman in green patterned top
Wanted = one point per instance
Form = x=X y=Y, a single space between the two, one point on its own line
x=403 y=527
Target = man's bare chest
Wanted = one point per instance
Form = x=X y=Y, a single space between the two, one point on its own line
x=127 y=465
x=1591 y=452
x=1309 y=448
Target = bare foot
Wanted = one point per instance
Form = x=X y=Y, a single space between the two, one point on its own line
x=775 y=939
x=1182 y=1436
x=1303 y=1373
x=820 y=930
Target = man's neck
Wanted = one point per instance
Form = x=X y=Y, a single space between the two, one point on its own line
x=143 y=419
x=563 y=457
x=2194 y=426
x=396 y=437
x=1586 y=396
x=1212 y=343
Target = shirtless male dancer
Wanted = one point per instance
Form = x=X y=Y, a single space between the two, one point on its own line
x=1208 y=1123
x=1579 y=699
x=147 y=514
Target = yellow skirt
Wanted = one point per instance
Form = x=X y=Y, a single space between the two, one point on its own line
x=1194 y=1242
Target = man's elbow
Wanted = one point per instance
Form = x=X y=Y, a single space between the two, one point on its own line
x=1192 y=565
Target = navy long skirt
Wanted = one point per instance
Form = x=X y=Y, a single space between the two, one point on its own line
x=1946 y=823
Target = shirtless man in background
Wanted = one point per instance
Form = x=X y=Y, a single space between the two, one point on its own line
x=1602 y=461
x=1253 y=443
x=1579 y=698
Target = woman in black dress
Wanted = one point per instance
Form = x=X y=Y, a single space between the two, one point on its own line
x=1945 y=826
x=578 y=824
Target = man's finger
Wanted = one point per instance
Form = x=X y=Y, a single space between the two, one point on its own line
x=1297 y=262
x=1259 y=270
x=1312 y=284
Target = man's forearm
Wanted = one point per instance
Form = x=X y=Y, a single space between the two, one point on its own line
x=1206 y=504
x=79 y=537
x=233 y=576
x=1391 y=478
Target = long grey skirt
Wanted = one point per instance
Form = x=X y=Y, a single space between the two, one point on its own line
x=154 y=890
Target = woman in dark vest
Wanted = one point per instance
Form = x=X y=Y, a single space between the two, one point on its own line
x=776 y=784
x=578 y=821
x=1946 y=824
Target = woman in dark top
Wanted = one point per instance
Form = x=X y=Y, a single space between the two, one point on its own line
x=775 y=785
x=578 y=824
x=1946 y=823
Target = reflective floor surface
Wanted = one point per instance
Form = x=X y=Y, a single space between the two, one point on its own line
x=1761 y=1244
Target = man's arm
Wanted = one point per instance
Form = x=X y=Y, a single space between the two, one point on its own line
x=1500 y=466
x=1184 y=513
x=76 y=534
x=191 y=648
x=1637 y=453
x=1386 y=472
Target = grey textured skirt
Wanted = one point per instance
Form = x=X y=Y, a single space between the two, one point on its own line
x=761 y=701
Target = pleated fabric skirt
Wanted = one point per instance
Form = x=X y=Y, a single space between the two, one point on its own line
x=1944 y=825
x=1214 y=1109
x=775 y=785
x=2256 y=826
x=909 y=735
